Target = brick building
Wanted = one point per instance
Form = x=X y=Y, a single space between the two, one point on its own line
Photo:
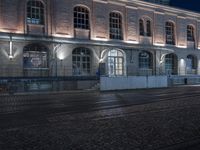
x=76 y=38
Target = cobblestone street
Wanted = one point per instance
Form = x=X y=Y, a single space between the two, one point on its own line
x=156 y=119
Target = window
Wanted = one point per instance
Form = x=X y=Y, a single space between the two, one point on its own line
x=115 y=63
x=171 y=62
x=35 y=12
x=141 y=27
x=116 y=26
x=170 y=35
x=81 y=59
x=35 y=57
x=190 y=33
x=145 y=60
x=148 y=28
x=81 y=18
x=191 y=64
x=145 y=31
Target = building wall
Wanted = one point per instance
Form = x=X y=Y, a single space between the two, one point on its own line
x=59 y=30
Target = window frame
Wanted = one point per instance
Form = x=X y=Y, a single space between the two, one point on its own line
x=171 y=64
x=115 y=26
x=32 y=51
x=35 y=12
x=141 y=27
x=170 y=33
x=190 y=33
x=148 y=28
x=81 y=61
x=145 y=63
x=81 y=17
x=118 y=59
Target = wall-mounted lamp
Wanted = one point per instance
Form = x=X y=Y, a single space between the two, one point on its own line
x=101 y=60
x=10 y=55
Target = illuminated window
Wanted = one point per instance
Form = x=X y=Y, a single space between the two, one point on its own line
x=170 y=34
x=190 y=33
x=35 y=57
x=116 y=26
x=145 y=60
x=115 y=63
x=81 y=60
x=141 y=22
x=35 y=12
x=171 y=63
x=81 y=18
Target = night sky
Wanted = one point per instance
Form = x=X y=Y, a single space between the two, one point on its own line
x=193 y=5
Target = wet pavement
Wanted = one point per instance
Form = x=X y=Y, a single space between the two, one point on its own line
x=155 y=119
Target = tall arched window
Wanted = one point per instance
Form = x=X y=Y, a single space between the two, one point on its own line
x=141 y=26
x=81 y=18
x=115 y=63
x=145 y=60
x=191 y=64
x=35 y=12
x=81 y=60
x=148 y=24
x=170 y=34
x=116 y=26
x=190 y=33
x=171 y=63
x=145 y=27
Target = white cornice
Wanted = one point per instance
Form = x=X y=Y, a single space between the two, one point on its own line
x=153 y=6
x=131 y=7
x=101 y=1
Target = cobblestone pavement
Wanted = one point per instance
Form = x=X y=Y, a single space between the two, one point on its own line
x=156 y=119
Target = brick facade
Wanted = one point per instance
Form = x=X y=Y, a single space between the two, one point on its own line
x=61 y=38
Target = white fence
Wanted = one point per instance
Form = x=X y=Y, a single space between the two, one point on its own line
x=132 y=82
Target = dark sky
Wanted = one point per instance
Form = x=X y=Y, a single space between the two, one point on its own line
x=193 y=5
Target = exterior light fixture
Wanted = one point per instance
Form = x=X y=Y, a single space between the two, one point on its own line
x=101 y=60
x=11 y=49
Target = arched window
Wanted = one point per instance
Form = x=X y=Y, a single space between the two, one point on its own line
x=191 y=64
x=171 y=63
x=81 y=18
x=35 y=57
x=148 y=24
x=81 y=60
x=145 y=27
x=170 y=34
x=190 y=33
x=116 y=26
x=141 y=26
x=115 y=63
x=35 y=12
x=145 y=60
